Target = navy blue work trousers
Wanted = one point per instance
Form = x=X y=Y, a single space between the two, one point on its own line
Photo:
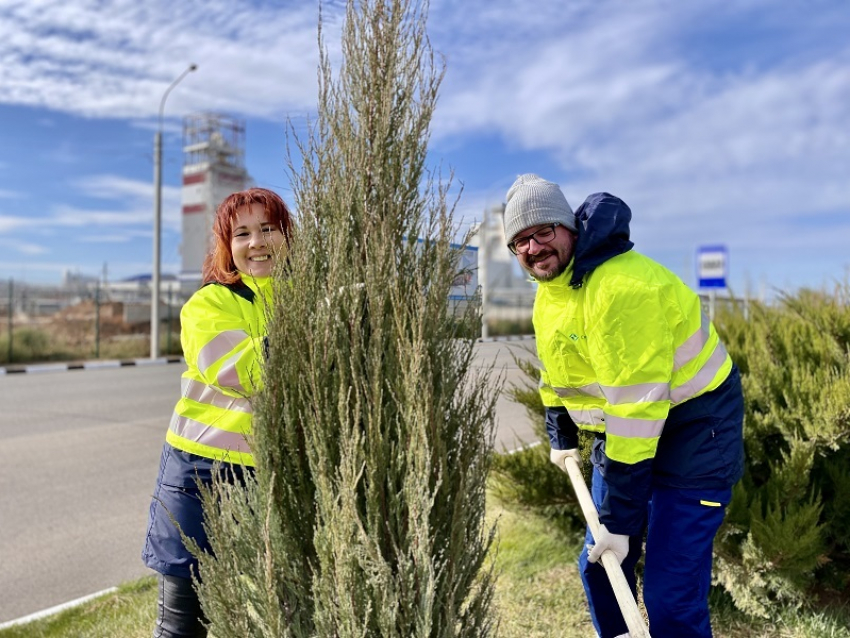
x=680 y=533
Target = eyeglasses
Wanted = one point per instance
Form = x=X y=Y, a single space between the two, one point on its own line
x=543 y=236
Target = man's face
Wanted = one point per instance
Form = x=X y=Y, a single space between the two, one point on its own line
x=545 y=261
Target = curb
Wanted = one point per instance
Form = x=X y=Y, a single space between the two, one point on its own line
x=55 y=610
x=505 y=338
x=37 y=368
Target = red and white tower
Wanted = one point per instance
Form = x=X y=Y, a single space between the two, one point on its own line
x=213 y=168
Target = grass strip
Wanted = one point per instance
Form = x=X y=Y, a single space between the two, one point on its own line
x=538 y=595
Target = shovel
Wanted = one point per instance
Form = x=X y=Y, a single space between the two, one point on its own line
x=622 y=592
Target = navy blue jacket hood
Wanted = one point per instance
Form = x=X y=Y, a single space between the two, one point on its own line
x=603 y=232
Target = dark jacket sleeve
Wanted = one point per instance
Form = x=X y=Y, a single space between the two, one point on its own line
x=624 y=508
x=563 y=433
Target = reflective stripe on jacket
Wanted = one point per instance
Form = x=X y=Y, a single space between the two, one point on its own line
x=223 y=333
x=622 y=349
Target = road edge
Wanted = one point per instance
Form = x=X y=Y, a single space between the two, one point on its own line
x=39 y=368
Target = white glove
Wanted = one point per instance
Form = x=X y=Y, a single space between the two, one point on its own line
x=559 y=456
x=617 y=543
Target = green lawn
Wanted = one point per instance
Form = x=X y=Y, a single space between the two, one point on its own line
x=126 y=613
x=539 y=595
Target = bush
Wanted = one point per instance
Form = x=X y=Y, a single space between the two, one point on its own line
x=527 y=477
x=785 y=535
x=365 y=516
x=28 y=344
x=39 y=345
x=505 y=327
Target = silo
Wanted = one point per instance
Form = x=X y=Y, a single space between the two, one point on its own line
x=213 y=168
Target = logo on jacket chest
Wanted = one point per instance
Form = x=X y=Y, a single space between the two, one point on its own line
x=574 y=343
x=576 y=338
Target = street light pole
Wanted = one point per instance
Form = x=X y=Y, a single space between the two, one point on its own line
x=483 y=260
x=157 y=216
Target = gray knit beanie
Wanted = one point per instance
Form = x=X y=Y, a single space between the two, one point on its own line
x=532 y=201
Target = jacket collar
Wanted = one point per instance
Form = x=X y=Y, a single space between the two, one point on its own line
x=603 y=233
x=248 y=286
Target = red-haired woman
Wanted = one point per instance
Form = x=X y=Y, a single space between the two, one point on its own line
x=223 y=336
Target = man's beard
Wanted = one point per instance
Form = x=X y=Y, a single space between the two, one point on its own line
x=550 y=275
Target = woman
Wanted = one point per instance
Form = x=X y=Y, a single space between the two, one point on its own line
x=223 y=336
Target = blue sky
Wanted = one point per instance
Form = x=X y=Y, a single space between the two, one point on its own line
x=717 y=122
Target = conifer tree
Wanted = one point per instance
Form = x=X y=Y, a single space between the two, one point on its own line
x=373 y=434
x=785 y=534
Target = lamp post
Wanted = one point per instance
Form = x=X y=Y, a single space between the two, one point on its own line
x=157 y=216
x=483 y=258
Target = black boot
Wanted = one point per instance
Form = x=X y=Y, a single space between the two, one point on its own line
x=179 y=613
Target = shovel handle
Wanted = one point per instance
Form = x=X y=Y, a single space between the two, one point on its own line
x=622 y=591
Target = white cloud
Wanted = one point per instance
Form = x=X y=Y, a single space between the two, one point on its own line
x=752 y=154
x=116 y=238
x=114 y=187
x=10 y=222
x=70 y=217
x=133 y=212
x=715 y=120
x=23 y=247
x=116 y=59
x=136 y=197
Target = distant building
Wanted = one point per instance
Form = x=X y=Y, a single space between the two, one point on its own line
x=73 y=279
x=213 y=168
x=507 y=290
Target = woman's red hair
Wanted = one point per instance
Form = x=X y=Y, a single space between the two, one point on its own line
x=218 y=264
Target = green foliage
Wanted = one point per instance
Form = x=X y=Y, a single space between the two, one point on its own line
x=837 y=504
x=39 y=345
x=538 y=595
x=503 y=327
x=28 y=344
x=785 y=531
x=528 y=395
x=373 y=435
x=527 y=477
x=783 y=622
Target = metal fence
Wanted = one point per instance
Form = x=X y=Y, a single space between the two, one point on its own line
x=85 y=320
x=81 y=320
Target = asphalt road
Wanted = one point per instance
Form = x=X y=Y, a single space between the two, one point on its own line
x=80 y=452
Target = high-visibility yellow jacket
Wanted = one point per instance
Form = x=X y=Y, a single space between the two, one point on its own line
x=223 y=335
x=624 y=348
x=623 y=342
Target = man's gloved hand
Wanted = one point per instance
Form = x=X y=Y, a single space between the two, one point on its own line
x=559 y=456
x=617 y=543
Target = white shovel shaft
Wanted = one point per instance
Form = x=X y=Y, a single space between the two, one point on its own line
x=627 y=603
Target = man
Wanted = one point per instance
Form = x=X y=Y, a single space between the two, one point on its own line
x=627 y=354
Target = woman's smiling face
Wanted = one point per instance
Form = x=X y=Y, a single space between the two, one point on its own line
x=256 y=242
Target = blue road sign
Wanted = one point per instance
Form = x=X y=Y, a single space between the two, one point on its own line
x=712 y=266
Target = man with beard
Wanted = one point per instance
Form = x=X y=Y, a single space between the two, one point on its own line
x=629 y=357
